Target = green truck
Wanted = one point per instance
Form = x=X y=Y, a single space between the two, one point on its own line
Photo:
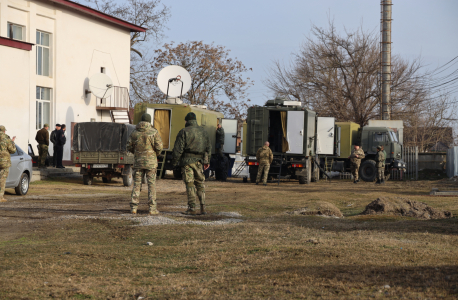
x=168 y=119
x=302 y=142
x=100 y=150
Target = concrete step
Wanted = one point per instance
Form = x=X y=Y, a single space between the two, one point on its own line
x=42 y=174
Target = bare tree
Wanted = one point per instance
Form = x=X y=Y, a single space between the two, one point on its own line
x=337 y=75
x=215 y=76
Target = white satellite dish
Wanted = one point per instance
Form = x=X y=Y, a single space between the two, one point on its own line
x=100 y=85
x=174 y=81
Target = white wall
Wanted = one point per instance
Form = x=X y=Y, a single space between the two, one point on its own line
x=80 y=46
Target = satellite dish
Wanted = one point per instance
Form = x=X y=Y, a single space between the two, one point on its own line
x=174 y=81
x=100 y=85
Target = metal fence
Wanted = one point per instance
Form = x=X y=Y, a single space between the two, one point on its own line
x=452 y=162
x=410 y=157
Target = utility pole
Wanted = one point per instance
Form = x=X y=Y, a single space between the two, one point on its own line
x=385 y=32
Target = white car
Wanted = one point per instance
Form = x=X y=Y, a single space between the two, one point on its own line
x=20 y=172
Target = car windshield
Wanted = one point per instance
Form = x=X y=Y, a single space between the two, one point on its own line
x=18 y=151
x=393 y=136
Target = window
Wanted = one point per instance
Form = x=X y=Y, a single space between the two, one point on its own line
x=43 y=53
x=381 y=137
x=102 y=70
x=43 y=106
x=16 y=32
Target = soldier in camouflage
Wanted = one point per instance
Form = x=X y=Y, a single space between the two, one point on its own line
x=380 y=160
x=7 y=147
x=146 y=144
x=264 y=157
x=42 y=138
x=355 y=159
x=192 y=152
x=219 y=140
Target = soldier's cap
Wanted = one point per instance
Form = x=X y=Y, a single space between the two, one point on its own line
x=2 y=128
x=190 y=116
x=146 y=118
x=46 y=125
x=379 y=147
x=57 y=125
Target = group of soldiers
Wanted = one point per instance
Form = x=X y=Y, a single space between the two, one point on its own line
x=57 y=138
x=357 y=154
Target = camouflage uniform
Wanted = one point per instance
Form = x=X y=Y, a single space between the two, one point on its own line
x=264 y=157
x=192 y=150
x=380 y=160
x=219 y=141
x=356 y=162
x=146 y=144
x=7 y=147
x=42 y=138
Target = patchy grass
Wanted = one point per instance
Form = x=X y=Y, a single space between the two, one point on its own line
x=267 y=256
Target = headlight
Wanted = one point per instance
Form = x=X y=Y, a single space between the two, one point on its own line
x=399 y=164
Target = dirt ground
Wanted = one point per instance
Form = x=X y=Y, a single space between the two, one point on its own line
x=64 y=240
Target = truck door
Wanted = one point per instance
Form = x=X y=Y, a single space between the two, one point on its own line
x=380 y=138
x=295 y=132
x=325 y=129
x=230 y=127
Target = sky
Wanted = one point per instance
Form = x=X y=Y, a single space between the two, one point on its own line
x=260 y=32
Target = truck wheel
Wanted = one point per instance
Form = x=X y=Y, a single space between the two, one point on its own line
x=308 y=171
x=302 y=180
x=177 y=173
x=253 y=174
x=23 y=186
x=221 y=174
x=368 y=171
x=87 y=179
x=127 y=180
x=106 y=179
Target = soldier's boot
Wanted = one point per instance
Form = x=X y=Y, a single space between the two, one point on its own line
x=153 y=211
x=378 y=181
x=202 y=209
x=133 y=210
x=2 y=200
x=201 y=196
x=257 y=183
x=190 y=211
x=356 y=181
x=382 y=181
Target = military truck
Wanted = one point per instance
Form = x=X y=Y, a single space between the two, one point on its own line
x=302 y=142
x=100 y=150
x=168 y=119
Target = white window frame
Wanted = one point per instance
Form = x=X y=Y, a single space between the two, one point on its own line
x=41 y=102
x=9 y=32
x=39 y=46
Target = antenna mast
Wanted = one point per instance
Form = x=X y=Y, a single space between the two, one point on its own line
x=385 y=32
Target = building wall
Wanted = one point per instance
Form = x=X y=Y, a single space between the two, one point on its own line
x=80 y=46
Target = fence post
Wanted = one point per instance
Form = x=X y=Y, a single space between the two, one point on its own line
x=416 y=162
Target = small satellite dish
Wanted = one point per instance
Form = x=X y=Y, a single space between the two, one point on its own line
x=100 y=85
x=174 y=81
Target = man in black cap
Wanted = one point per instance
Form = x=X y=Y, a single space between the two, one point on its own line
x=53 y=141
x=60 y=142
x=192 y=152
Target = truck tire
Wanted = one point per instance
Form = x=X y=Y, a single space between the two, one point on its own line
x=106 y=180
x=253 y=174
x=177 y=173
x=302 y=180
x=221 y=174
x=368 y=171
x=127 y=180
x=87 y=180
x=308 y=177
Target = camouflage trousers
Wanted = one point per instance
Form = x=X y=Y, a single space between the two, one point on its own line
x=194 y=178
x=355 y=170
x=43 y=153
x=151 y=179
x=381 y=173
x=3 y=177
x=263 y=173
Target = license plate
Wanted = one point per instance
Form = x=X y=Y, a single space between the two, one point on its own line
x=100 y=165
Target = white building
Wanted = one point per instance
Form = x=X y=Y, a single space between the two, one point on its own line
x=48 y=51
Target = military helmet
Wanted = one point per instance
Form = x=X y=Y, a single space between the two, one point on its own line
x=190 y=116
x=146 y=118
x=379 y=147
x=2 y=128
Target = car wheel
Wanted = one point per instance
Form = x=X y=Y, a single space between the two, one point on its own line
x=368 y=171
x=87 y=180
x=23 y=186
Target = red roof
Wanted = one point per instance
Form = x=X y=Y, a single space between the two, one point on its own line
x=100 y=15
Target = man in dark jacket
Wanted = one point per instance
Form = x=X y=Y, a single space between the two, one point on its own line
x=42 y=138
x=53 y=141
x=60 y=142
x=219 y=140
x=192 y=152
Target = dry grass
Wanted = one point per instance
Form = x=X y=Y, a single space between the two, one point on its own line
x=267 y=256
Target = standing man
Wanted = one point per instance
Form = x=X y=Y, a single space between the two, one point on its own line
x=192 y=152
x=219 y=140
x=146 y=144
x=355 y=159
x=380 y=160
x=264 y=157
x=60 y=142
x=53 y=141
x=7 y=147
x=42 y=138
